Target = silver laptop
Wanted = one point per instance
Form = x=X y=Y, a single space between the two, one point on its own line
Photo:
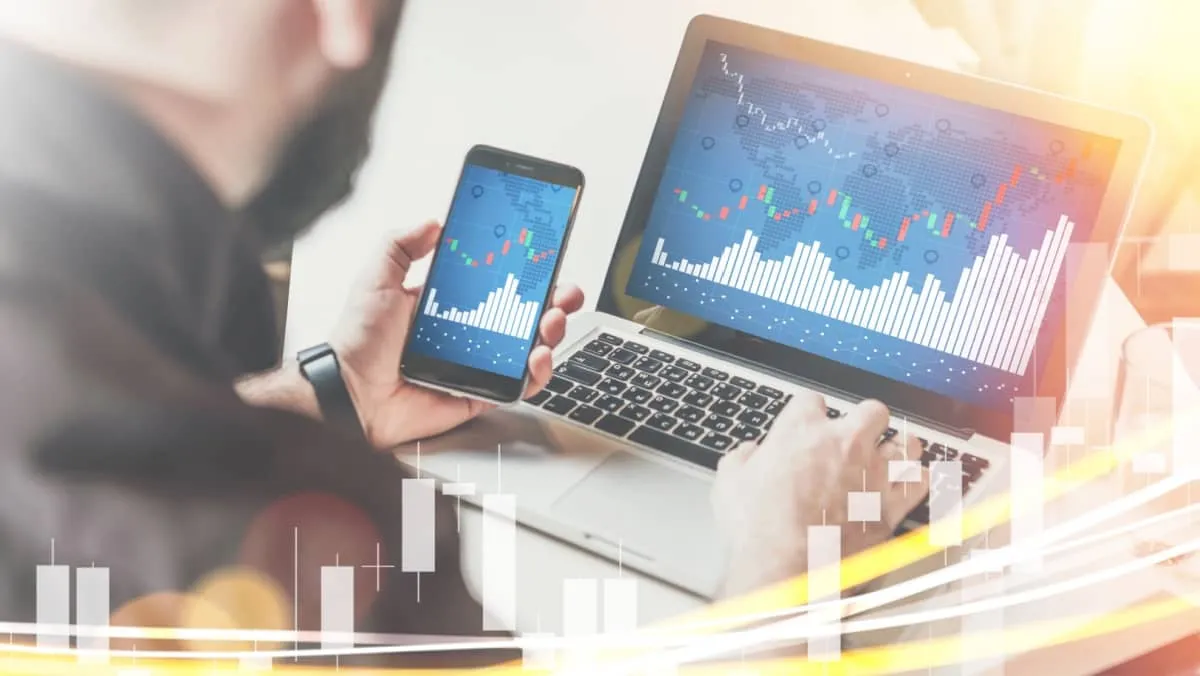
x=812 y=217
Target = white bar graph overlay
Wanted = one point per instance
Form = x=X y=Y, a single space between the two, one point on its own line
x=1027 y=467
x=945 y=503
x=580 y=612
x=499 y=562
x=417 y=517
x=503 y=312
x=992 y=318
x=92 y=610
x=53 y=606
x=337 y=607
x=620 y=605
x=825 y=584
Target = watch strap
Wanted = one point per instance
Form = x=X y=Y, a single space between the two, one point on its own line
x=321 y=368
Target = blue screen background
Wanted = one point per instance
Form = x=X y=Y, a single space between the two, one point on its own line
x=755 y=120
x=492 y=208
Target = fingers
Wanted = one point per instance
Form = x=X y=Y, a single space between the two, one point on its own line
x=553 y=327
x=568 y=298
x=541 y=368
x=411 y=246
x=866 y=422
x=805 y=408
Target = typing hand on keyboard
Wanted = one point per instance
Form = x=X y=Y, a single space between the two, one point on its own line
x=801 y=474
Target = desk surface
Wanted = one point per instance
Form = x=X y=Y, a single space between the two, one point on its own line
x=585 y=51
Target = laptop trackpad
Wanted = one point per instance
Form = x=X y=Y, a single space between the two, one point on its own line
x=654 y=511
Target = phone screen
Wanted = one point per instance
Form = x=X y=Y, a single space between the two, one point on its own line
x=494 y=267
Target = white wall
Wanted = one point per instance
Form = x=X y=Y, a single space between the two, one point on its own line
x=579 y=81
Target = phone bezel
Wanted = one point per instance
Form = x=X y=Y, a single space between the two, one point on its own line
x=467 y=381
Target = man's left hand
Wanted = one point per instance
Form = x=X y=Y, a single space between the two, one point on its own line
x=371 y=336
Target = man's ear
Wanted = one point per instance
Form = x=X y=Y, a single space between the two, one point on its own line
x=346 y=30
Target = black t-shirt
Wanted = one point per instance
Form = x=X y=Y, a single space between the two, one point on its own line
x=130 y=301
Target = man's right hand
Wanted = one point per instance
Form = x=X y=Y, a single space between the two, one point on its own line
x=768 y=493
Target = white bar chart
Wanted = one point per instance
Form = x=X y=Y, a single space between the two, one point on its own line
x=945 y=503
x=580 y=617
x=92 y=609
x=499 y=593
x=337 y=607
x=53 y=606
x=503 y=312
x=992 y=318
x=1027 y=467
x=417 y=520
x=825 y=584
x=620 y=605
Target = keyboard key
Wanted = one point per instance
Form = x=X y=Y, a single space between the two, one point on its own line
x=752 y=400
x=662 y=356
x=648 y=365
x=586 y=414
x=583 y=393
x=738 y=381
x=774 y=407
x=725 y=408
x=621 y=372
x=610 y=339
x=589 y=360
x=623 y=356
x=560 y=405
x=559 y=385
x=715 y=374
x=609 y=403
x=599 y=348
x=971 y=473
x=540 y=398
x=745 y=432
x=578 y=373
x=717 y=442
x=753 y=418
x=689 y=431
x=943 y=452
x=770 y=392
x=611 y=386
x=661 y=421
x=702 y=383
x=635 y=412
x=646 y=380
x=673 y=374
x=698 y=399
x=637 y=395
x=675 y=446
x=615 y=425
x=673 y=390
x=975 y=460
x=637 y=348
x=687 y=365
x=690 y=414
x=928 y=457
x=832 y=413
x=718 y=423
x=726 y=391
x=661 y=403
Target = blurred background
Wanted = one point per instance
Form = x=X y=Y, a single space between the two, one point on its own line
x=1142 y=56
x=1136 y=55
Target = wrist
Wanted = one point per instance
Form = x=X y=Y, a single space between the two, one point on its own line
x=284 y=388
x=320 y=366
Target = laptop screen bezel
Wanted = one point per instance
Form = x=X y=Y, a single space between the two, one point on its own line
x=1133 y=133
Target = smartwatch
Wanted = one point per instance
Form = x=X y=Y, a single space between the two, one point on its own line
x=320 y=367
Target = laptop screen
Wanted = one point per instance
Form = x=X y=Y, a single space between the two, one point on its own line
x=905 y=234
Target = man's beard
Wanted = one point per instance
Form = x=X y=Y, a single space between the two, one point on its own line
x=319 y=164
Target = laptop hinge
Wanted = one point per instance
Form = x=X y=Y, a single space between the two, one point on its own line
x=949 y=430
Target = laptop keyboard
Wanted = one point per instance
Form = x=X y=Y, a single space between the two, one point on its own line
x=682 y=408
